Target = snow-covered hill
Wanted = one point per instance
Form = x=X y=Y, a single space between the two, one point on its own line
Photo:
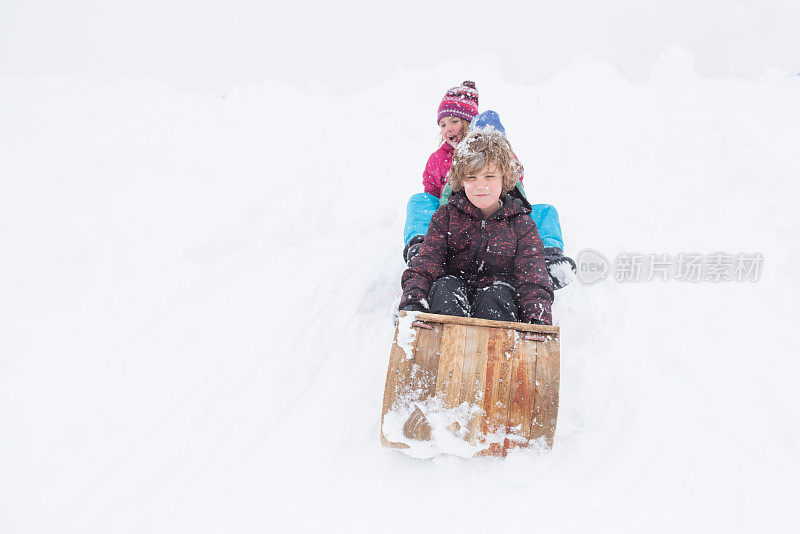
x=195 y=300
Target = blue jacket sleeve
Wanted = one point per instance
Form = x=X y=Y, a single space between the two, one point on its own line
x=546 y=218
x=419 y=211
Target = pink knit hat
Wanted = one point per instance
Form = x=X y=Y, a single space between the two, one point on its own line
x=460 y=101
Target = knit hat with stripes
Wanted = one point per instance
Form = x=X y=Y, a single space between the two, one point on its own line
x=460 y=101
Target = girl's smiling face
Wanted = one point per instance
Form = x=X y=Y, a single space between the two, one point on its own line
x=452 y=130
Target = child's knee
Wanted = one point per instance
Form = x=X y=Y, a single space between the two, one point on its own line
x=448 y=283
x=496 y=302
x=448 y=296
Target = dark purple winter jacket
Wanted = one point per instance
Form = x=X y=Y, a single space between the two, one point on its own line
x=506 y=248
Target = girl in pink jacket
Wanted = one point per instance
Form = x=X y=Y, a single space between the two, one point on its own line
x=457 y=109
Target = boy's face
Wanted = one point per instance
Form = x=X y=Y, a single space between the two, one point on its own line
x=483 y=187
x=452 y=130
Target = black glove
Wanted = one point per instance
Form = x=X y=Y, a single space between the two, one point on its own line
x=412 y=248
x=559 y=267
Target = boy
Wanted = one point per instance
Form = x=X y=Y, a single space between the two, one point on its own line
x=482 y=255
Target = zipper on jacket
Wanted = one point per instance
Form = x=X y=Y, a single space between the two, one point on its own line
x=483 y=248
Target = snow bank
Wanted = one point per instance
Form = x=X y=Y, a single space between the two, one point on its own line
x=197 y=297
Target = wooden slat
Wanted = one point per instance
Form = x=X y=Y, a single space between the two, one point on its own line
x=471 y=321
x=545 y=410
x=473 y=379
x=496 y=390
x=507 y=358
x=398 y=383
x=448 y=381
x=397 y=364
x=523 y=372
x=427 y=351
x=498 y=380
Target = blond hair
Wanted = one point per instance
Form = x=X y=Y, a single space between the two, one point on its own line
x=478 y=150
x=464 y=131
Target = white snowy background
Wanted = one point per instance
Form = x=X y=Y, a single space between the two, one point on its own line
x=201 y=212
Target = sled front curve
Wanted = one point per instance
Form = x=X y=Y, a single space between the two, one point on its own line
x=470 y=386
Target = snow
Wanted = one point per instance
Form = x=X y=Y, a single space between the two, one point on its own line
x=562 y=271
x=196 y=297
x=406 y=335
x=442 y=441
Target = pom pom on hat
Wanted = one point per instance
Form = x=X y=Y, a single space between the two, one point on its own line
x=460 y=101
